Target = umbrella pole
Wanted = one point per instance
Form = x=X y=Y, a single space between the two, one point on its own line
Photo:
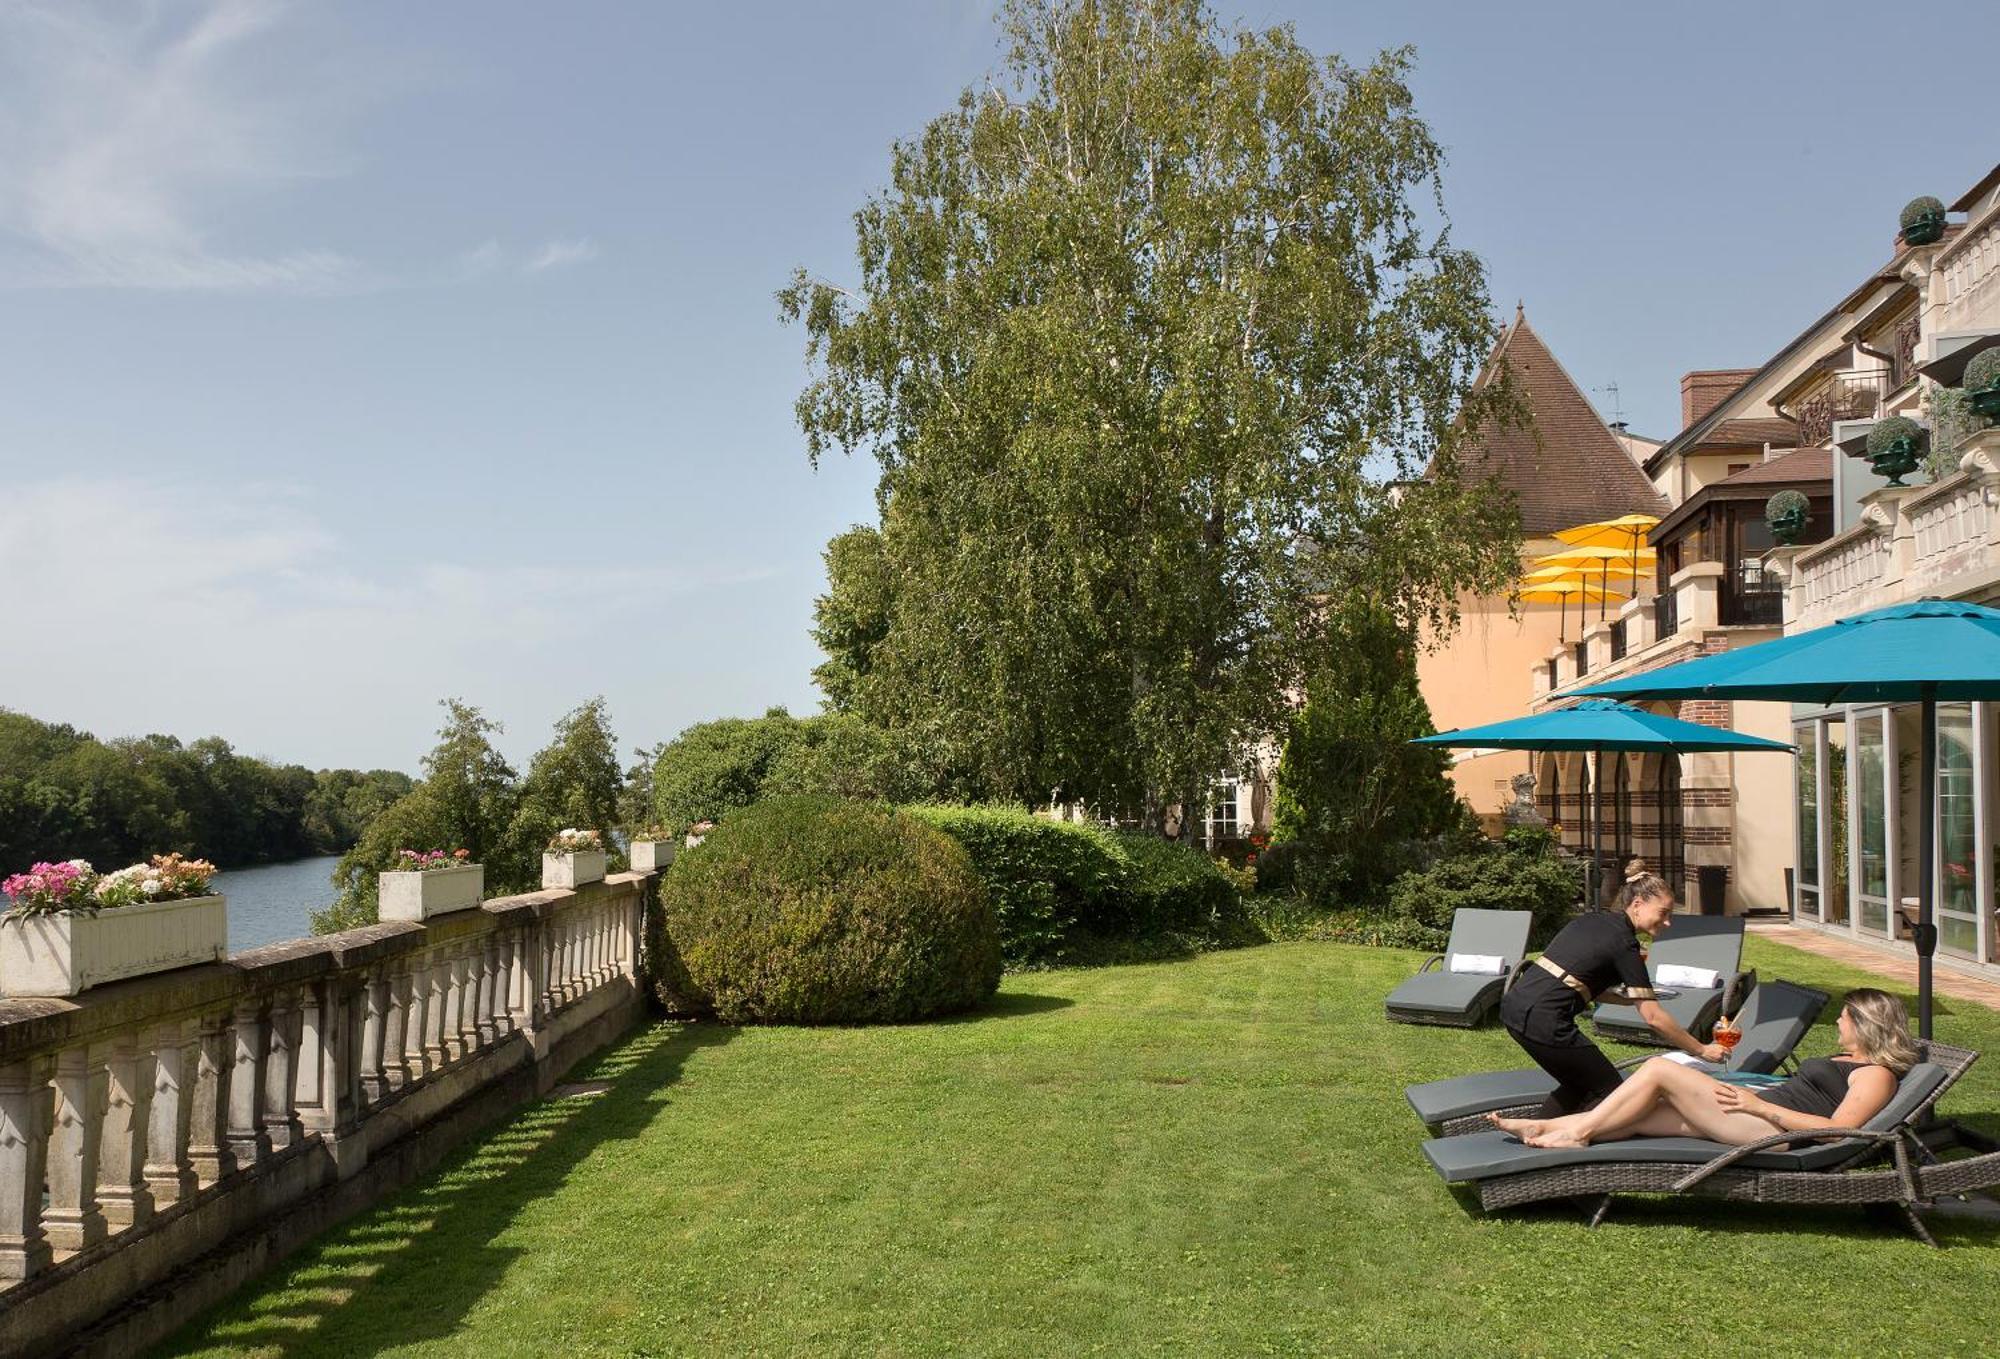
x=1926 y=932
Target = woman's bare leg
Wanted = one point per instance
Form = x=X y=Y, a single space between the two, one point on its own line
x=1638 y=1096
x=1686 y=1107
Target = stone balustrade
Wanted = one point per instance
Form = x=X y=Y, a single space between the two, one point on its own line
x=153 y=1121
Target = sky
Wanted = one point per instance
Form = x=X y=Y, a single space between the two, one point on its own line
x=356 y=355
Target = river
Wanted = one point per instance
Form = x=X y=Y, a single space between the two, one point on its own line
x=271 y=903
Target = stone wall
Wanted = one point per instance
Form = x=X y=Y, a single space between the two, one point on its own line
x=164 y=1138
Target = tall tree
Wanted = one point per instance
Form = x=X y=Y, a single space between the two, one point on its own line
x=574 y=781
x=1151 y=339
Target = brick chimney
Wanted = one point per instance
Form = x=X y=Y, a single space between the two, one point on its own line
x=1703 y=391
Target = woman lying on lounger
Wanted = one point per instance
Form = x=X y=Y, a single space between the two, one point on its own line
x=1665 y=1098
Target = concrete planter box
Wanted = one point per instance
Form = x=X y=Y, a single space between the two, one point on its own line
x=419 y=896
x=652 y=856
x=573 y=870
x=62 y=955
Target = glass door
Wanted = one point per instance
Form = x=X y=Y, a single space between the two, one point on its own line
x=1806 y=898
x=1957 y=832
x=1874 y=813
x=1835 y=830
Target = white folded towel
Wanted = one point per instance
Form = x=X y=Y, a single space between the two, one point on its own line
x=1480 y=964
x=1687 y=978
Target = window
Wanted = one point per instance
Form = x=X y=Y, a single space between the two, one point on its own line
x=1222 y=813
x=1736 y=467
x=1957 y=831
x=1872 y=755
x=1806 y=903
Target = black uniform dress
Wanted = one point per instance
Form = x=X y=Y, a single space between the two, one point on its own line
x=1597 y=952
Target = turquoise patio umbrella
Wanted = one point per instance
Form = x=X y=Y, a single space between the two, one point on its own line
x=1932 y=650
x=1597 y=725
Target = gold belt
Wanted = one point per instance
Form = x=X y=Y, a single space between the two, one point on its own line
x=1566 y=977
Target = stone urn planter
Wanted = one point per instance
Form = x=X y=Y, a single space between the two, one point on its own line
x=440 y=891
x=652 y=856
x=1982 y=383
x=1896 y=447
x=572 y=868
x=68 y=953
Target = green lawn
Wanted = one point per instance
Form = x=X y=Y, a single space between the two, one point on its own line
x=1211 y=1155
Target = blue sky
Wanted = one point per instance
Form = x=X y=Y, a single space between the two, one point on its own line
x=354 y=355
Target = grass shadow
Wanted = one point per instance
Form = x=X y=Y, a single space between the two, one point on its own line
x=1008 y=1005
x=412 y=1268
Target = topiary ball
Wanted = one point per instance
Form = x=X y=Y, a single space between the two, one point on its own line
x=1983 y=373
x=1788 y=512
x=1887 y=435
x=817 y=911
x=1922 y=220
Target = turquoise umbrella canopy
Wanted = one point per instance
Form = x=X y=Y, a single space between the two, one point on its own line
x=1599 y=724
x=1930 y=651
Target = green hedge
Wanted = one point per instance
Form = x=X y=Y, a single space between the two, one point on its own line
x=1046 y=879
x=1177 y=889
x=817 y=911
x=1522 y=873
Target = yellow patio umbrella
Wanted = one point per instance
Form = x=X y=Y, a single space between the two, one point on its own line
x=1561 y=590
x=1603 y=562
x=1624 y=536
x=1625 y=532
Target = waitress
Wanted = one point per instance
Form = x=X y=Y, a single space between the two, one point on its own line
x=1594 y=957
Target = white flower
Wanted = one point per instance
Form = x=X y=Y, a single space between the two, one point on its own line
x=152 y=887
x=80 y=865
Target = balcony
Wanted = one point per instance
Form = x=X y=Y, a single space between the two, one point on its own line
x=1582 y=658
x=1618 y=640
x=1666 y=621
x=1851 y=394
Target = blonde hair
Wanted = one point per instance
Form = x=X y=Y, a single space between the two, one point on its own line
x=1639 y=888
x=1881 y=1029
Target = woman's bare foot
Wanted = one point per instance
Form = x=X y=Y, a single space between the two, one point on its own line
x=1524 y=1128
x=1555 y=1135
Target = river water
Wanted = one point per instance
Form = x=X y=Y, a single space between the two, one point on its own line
x=271 y=903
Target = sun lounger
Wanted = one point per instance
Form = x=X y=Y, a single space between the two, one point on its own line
x=1449 y=989
x=1774 y=1020
x=1711 y=943
x=1880 y=1162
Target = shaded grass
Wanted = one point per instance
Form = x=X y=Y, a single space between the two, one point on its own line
x=1210 y=1155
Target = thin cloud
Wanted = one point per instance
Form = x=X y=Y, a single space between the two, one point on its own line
x=561 y=254
x=118 y=126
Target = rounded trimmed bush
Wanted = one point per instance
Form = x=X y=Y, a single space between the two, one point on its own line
x=1885 y=435
x=1922 y=220
x=1788 y=513
x=816 y=911
x=1983 y=373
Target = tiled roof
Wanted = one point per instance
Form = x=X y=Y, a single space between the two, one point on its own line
x=1805 y=464
x=1753 y=431
x=1566 y=468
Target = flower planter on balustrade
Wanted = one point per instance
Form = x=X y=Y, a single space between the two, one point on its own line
x=573 y=869
x=68 y=953
x=652 y=856
x=419 y=896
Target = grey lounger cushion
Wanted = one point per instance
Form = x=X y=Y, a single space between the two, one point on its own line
x=1501 y=934
x=1774 y=1019
x=1479 y=1156
x=1711 y=942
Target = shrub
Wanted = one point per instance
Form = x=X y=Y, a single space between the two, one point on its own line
x=716 y=768
x=1377 y=929
x=1885 y=434
x=1983 y=372
x=1522 y=873
x=816 y=911
x=1046 y=879
x=1177 y=889
x=1920 y=210
x=1787 y=513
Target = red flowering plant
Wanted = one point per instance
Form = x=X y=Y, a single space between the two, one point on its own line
x=429 y=860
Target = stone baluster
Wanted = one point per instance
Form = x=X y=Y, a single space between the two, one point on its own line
x=454 y=1028
x=416 y=1024
x=341 y=1015
x=169 y=1168
x=437 y=974
x=396 y=993
x=474 y=973
x=27 y=1117
x=500 y=952
x=281 y=1122
x=208 y=1112
x=73 y=1219
x=374 y=1025
x=527 y=969
x=572 y=972
x=600 y=949
x=122 y=1194
x=486 y=959
x=248 y=1143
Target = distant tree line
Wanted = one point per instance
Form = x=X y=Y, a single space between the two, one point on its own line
x=65 y=794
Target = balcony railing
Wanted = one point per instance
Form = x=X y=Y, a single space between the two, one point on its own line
x=1618 y=640
x=1852 y=394
x=1761 y=607
x=1665 y=621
